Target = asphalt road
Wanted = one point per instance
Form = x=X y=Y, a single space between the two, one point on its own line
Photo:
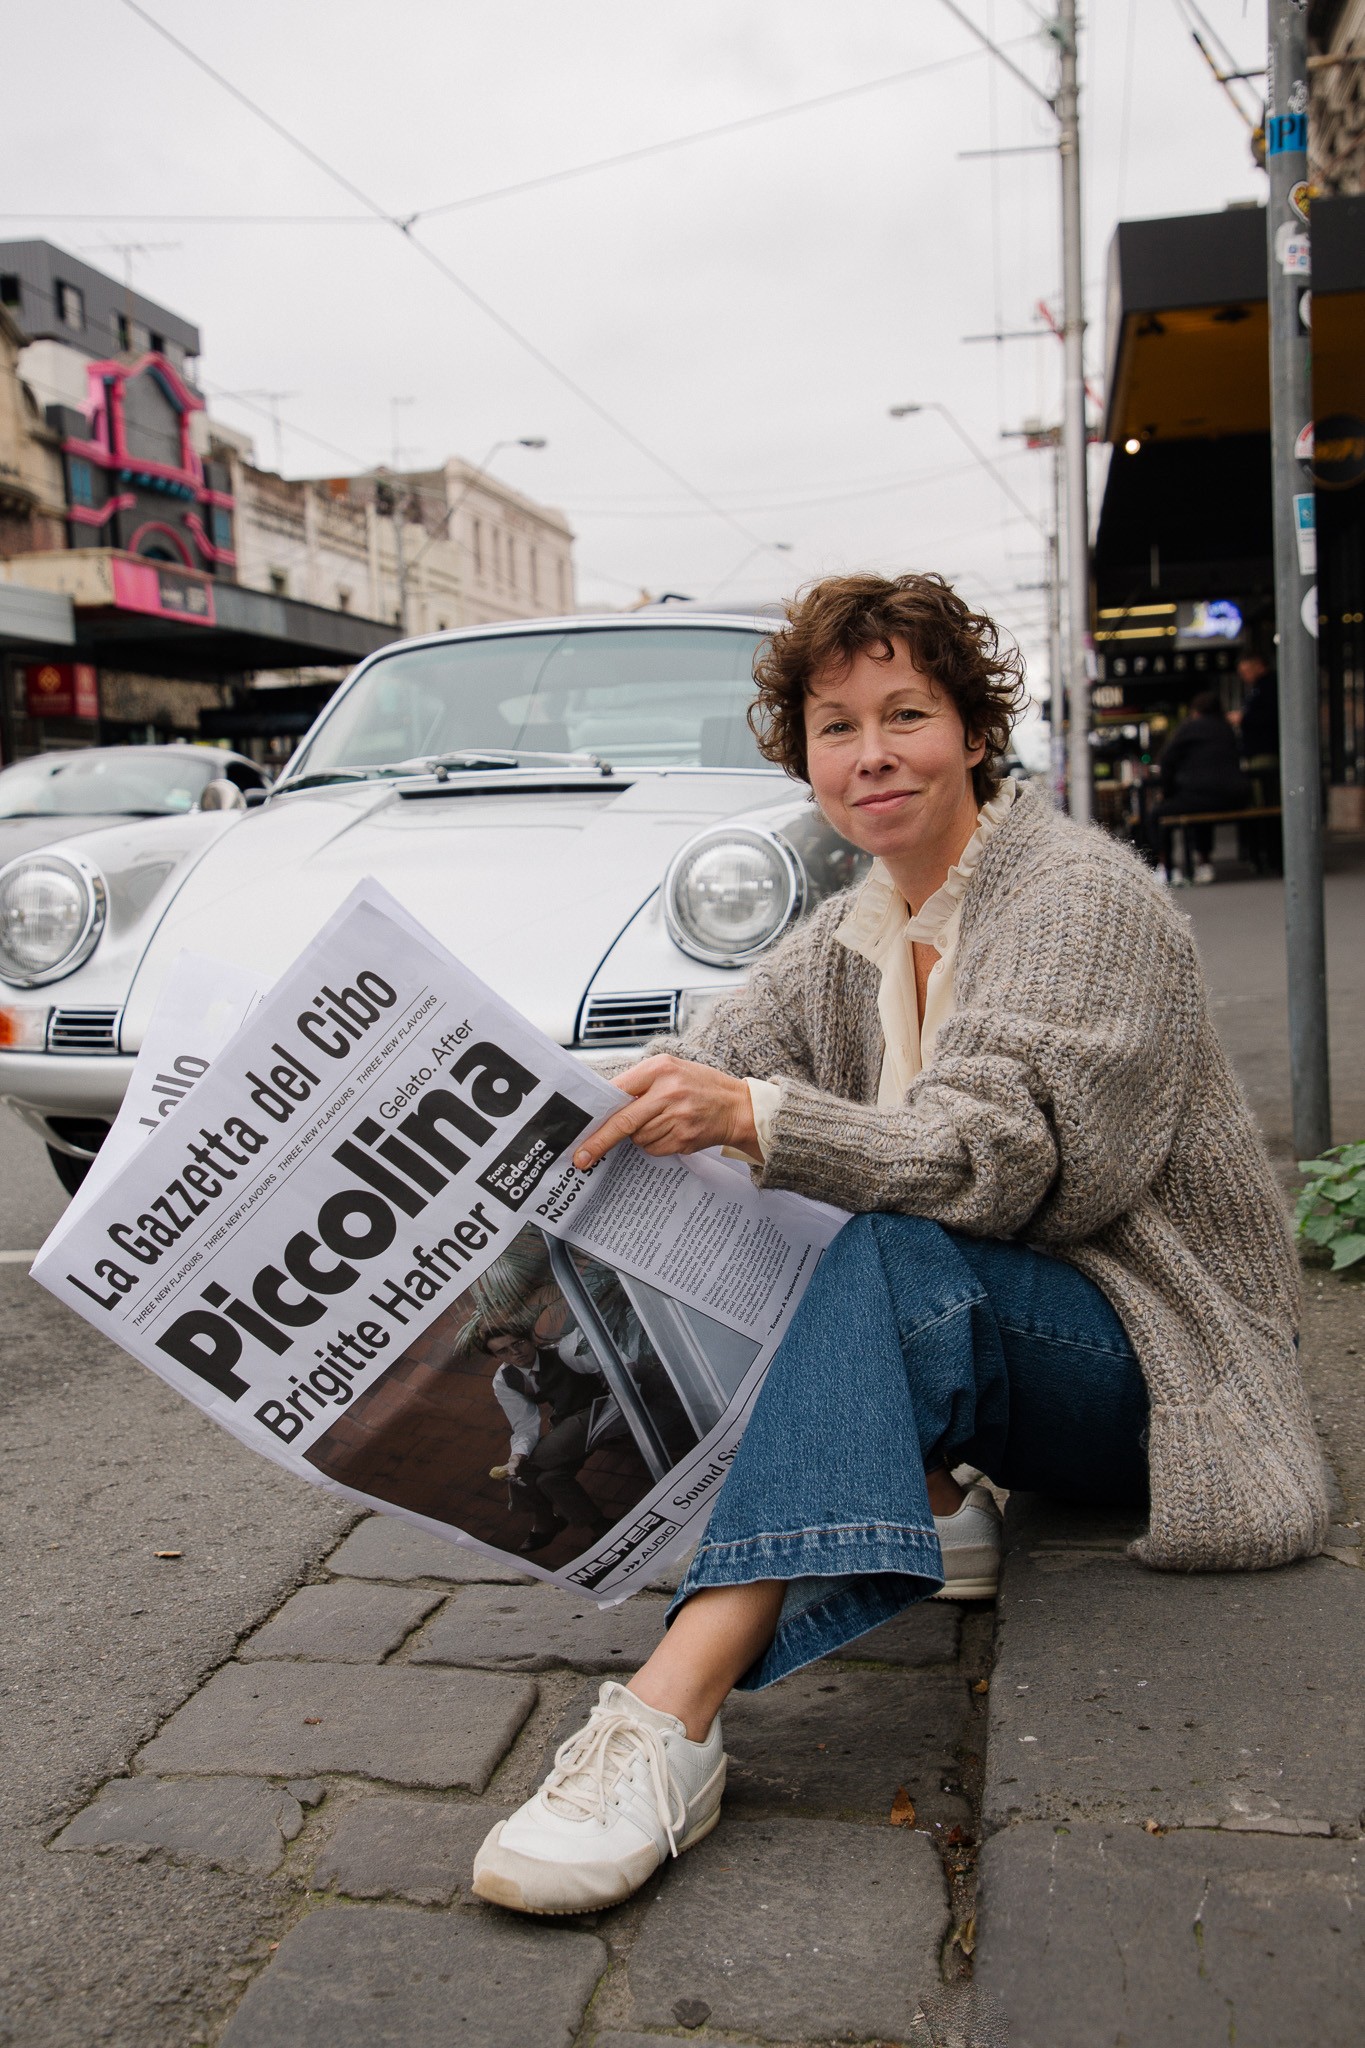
x=104 y=1467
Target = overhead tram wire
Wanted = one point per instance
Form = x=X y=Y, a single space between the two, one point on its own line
x=604 y=509
x=303 y=433
x=437 y=263
x=543 y=180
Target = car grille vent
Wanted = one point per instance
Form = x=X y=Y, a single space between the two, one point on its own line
x=83 y=1031
x=629 y=1020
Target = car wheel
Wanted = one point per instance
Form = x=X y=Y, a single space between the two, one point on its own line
x=70 y=1171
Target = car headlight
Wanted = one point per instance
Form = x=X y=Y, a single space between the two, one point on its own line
x=730 y=892
x=52 y=910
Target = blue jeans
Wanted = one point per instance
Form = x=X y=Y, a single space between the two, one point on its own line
x=915 y=1346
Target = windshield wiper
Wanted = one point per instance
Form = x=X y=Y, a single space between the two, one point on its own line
x=440 y=765
x=320 y=775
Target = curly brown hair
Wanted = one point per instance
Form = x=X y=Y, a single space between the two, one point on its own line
x=831 y=621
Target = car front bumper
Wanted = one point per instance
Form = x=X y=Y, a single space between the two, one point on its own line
x=68 y=1087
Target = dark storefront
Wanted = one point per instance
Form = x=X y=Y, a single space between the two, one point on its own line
x=1184 y=570
x=161 y=652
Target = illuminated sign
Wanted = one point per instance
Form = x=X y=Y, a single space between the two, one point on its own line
x=1205 y=620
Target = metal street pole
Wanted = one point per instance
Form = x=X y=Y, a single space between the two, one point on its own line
x=1074 y=432
x=1057 y=674
x=1296 y=597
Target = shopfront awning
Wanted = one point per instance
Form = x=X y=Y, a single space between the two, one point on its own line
x=159 y=619
x=33 y=621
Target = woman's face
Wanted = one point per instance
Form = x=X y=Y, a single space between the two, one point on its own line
x=889 y=762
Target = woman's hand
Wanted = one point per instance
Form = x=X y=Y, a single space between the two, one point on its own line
x=677 y=1106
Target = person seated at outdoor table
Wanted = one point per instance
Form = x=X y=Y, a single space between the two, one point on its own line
x=1068 y=1265
x=1201 y=770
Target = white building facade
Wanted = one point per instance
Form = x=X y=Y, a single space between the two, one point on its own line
x=426 y=550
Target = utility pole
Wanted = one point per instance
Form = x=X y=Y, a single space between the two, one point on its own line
x=1296 y=595
x=400 y=513
x=1056 y=673
x=1065 y=109
x=1074 y=431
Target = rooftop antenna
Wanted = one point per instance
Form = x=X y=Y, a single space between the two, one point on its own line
x=273 y=401
x=128 y=250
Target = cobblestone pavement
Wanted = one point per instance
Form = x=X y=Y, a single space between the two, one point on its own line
x=358 y=1746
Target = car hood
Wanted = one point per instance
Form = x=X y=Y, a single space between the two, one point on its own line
x=27 y=835
x=529 y=887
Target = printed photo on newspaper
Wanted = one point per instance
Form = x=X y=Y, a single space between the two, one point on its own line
x=341 y=1216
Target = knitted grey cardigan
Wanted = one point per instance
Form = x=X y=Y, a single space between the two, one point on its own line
x=1078 y=1100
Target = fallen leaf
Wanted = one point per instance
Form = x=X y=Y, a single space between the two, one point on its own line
x=965 y=1935
x=902 y=1809
x=820 y=1745
x=953 y=1836
x=982 y=1685
x=312 y=1720
x=170 y=1553
x=1153 y=1827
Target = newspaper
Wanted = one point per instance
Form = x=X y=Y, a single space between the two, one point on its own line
x=341 y=1216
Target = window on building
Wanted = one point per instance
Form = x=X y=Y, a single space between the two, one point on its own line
x=10 y=293
x=535 y=573
x=80 y=481
x=511 y=561
x=123 y=340
x=158 y=342
x=220 y=526
x=71 y=306
x=497 y=556
x=563 y=579
x=279 y=583
x=476 y=535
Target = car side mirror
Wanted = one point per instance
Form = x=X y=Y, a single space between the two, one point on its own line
x=222 y=795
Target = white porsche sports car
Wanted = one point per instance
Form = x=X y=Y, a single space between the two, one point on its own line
x=575 y=807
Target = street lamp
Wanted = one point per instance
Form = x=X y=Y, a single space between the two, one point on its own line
x=536 y=441
x=1057 y=680
x=776 y=547
x=900 y=412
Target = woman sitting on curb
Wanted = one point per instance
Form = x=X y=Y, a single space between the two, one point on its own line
x=1068 y=1264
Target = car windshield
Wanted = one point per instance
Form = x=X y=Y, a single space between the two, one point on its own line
x=633 y=696
x=142 y=781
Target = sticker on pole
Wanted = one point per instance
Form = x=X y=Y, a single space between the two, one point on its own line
x=1306 y=532
x=1303 y=445
x=1308 y=610
x=1286 y=134
x=1293 y=249
x=1300 y=196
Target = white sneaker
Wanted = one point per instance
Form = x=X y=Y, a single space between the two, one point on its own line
x=1204 y=874
x=970 y=1541
x=626 y=1791
x=1161 y=873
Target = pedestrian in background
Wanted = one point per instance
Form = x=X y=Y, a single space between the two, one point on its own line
x=1258 y=734
x=1200 y=770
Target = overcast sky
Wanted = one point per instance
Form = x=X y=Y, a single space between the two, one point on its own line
x=747 y=306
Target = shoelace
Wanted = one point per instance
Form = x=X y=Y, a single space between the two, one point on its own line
x=589 y=1765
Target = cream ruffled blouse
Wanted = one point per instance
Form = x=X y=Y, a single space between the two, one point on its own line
x=881 y=929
